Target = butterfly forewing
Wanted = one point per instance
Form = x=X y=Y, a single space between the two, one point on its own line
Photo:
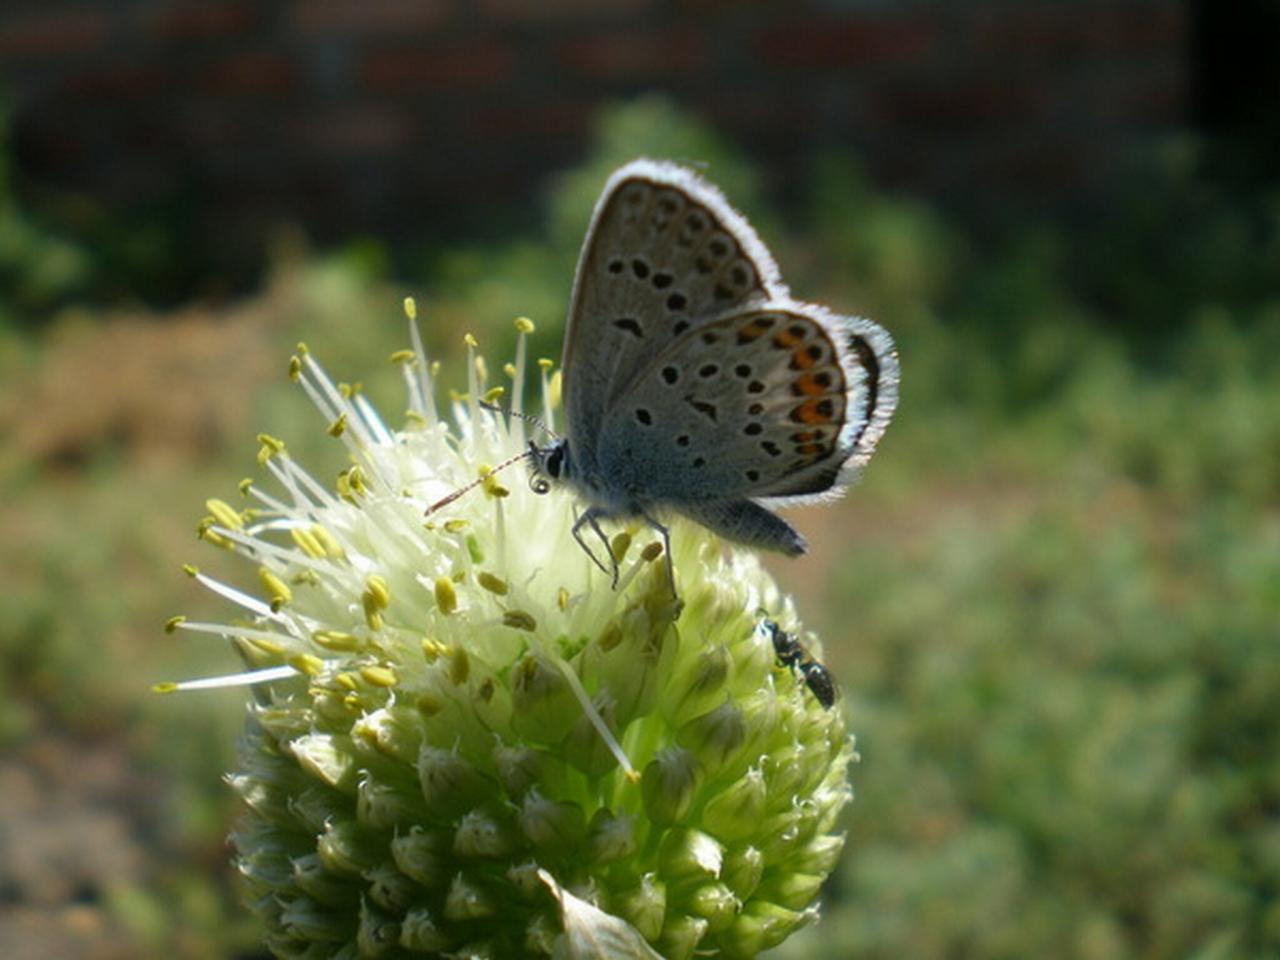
x=771 y=401
x=664 y=254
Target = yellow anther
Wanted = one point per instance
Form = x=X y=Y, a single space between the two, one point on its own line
x=446 y=595
x=494 y=394
x=327 y=540
x=524 y=325
x=347 y=681
x=403 y=356
x=375 y=587
x=244 y=486
x=337 y=640
x=269 y=647
x=433 y=650
x=493 y=488
x=167 y=687
x=307 y=542
x=411 y=308
x=556 y=389
x=492 y=584
x=339 y=425
x=520 y=620
x=562 y=599
x=173 y=623
x=459 y=666
x=620 y=545
x=276 y=588
x=546 y=363
x=295 y=367
x=651 y=552
x=415 y=418
x=308 y=577
x=379 y=676
x=271 y=447
x=217 y=539
x=302 y=348
x=191 y=570
x=456 y=397
x=455 y=526
x=510 y=370
x=307 y=663
x=470 y=341
x=224 y=513
x=434 y=369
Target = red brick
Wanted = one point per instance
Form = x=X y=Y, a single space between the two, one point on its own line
x=957 y=104
x=250 y=73
x=549 y=118
x=1076 y=31
x=631 y=54
x=557 y=9
x=404 y=71
x=353 y=130
x=205 y=20
x=840 y=43
x=40 y=35
x=369 y=16
x=118 y=80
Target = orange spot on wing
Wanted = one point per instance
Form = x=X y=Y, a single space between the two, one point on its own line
x=785 y=340
x=807 y=386
x=755 y=329
x=815 y=411
x=810 y=449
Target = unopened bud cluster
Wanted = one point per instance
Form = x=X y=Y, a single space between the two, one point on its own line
x=465 y=743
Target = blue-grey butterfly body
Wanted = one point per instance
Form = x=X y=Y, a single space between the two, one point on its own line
x=694 y=383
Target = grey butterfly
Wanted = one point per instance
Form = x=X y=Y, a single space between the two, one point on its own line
x=694 y=384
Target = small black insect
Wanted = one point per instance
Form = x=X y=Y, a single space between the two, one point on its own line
x=791 y=653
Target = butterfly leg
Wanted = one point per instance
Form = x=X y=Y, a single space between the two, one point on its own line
x=588 y=519
x=591 y=518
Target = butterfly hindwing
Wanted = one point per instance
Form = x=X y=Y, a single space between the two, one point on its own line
x=664 y=253
x=778 y=400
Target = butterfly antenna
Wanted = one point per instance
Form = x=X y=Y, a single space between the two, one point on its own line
x=526 y=417
x=445 y=501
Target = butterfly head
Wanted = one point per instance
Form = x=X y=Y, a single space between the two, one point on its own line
x=550 y=464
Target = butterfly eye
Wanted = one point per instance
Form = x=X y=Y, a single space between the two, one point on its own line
x=554 y=462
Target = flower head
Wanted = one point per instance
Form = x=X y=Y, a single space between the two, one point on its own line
x=466 y=743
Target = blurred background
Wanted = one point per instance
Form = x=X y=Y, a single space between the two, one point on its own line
x=1053 y=604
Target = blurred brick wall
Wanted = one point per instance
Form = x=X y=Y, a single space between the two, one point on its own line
x=379 y=114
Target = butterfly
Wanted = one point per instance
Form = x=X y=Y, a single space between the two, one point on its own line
x=694 y=384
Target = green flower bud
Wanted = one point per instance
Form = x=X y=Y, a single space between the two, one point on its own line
x=690 y=854
x=699 y=687
x=378 y=934
x=544 y=705
x=743 y=869
x=681 y=936
x=611 y=836
x=483 y=834
x=466 y=743
x=735 y=813
x=644 y=906
x=419 y=932
x=669 y=785
x=555 y=825
x=468 y=900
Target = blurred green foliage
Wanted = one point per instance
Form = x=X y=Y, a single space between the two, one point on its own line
x=1053 y=604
